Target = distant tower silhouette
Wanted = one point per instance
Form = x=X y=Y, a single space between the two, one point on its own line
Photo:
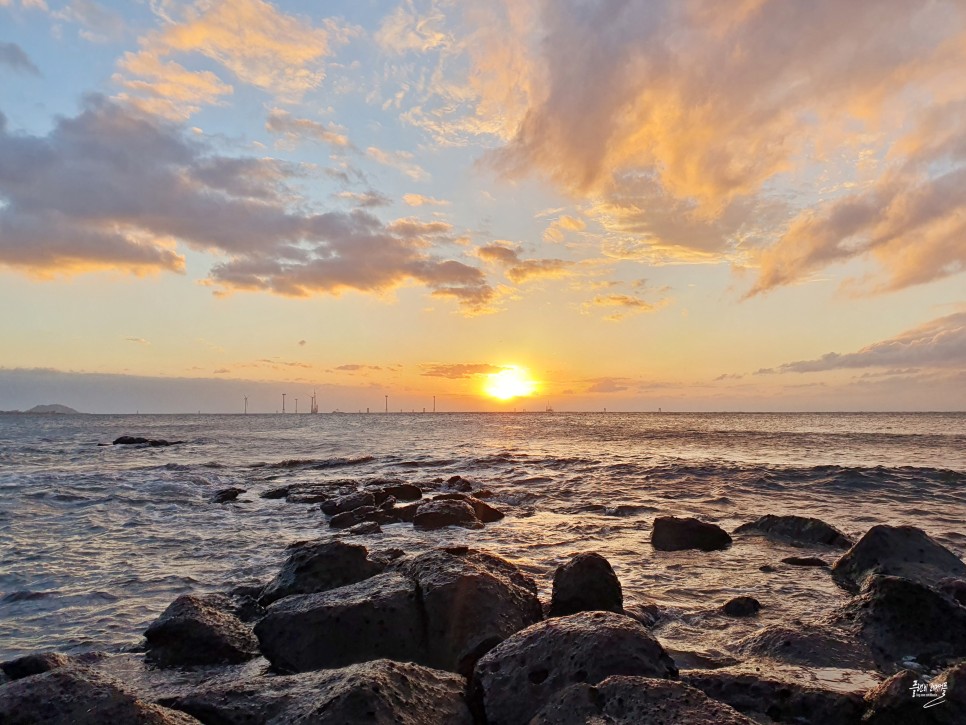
x=246 y=405
x=296 y=406
x=283 y=402
x=387 y=403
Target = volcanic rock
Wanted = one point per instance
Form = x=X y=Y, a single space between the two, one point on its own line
x=379 y=691
x=347 y=503
x=374 y=618
x=484 y=512
x=741 y=607
x=227 y=494
x=471 y=600
x=780 y=700
x=319 y=566
x=137 y=441
x=399 y=491
x=350 y=518
x=903 y=551
x=811 y=645
x=366 y=527
x=275 y=493
x=674 y=534
x=78 y=696
x=804 y=561
x=514 y=680
x=197 y=630
x=899 y=618
x=585 y=583
x=802 y=530
x=636 y=701
x=437 y=514
x=34 y=664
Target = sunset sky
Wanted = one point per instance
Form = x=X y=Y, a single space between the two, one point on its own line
x=622 y=204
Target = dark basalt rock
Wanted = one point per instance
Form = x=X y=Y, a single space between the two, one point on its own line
x=953 y=588
x=741 y=607
x=380 y=691
x=515 y=679
x=673 y=534
x=585 y=583
x=903 y=551
x=801 y=530
x=366 y=527
x=398 y=491
x=350 y=518
x=636 y=701
x=484 y=512
x=320 y=566
x=374 y=618
x=471 y=600
x=348 y=503
x=438 y=514
x=78 y=696
x=199 y=630
x=34 y=664
x=227 y=494
x=892 y=702
x=804 y=561
x=781 y=700
x=275 y=493
x=137 y=441
x=898 y=618
x=811 y=645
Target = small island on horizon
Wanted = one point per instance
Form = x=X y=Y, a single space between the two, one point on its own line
x=50 y=408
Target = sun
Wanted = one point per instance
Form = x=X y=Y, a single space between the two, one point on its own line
x=510 y=382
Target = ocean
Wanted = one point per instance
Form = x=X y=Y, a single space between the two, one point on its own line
x=95 y=541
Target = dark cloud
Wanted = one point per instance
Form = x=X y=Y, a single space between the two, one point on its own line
x=457 y=371
x=156 y=188
x=938 y=343
x=13 y=57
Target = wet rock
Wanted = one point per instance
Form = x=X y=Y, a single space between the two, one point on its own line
x=903 y=551
x=274 y=493
x=513 y=681
x=308 y=493
x=197 y=630
x=471 y=600
x=320 y=566
x=741 y=607
x=78 y=696
x=459 y=483
x=348 y=503
x=780 y=700
x=801 y=530
x=767 y=568
x=636 y=701
x=804 y=561
x=34 y=664
x=406 y=513
x=380 y=691
x=484 y=512
x=647 y=613
x=585 y=583
x=953 y=588
x=674 y=534
x=227 y=494
x=350 y=518
x=365 y=528
x=398 y=491
x=375 y=618
x=811 y=645
x=437 y=514
x=137 y=441
x=900 y=618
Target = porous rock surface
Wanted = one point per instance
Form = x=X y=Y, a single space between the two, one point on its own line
x=319 y=566
x=802 y=530
x=675 y=534
x=199 y=630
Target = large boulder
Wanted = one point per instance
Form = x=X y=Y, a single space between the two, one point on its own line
x=471 y=601
x=741 y=607
x=484 y=512
x=33 y=664
x=381 y=692
x=802 y=530
x=199 y=630
x=584 y=584
x=514 y=680
x=897 y=551
x=139 y=441
x=438 y=514
x=674 y=534
x=636 y=701
x=319 y=566
x=899 y=618
x=810 y=645
x=779 y=699
x=78 y=696
x=377 y=617
x=400 y=491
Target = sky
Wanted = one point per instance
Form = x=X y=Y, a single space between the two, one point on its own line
x=684 y=205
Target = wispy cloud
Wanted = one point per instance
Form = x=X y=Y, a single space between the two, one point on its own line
x=284 y=124
x=521 y=270
x=457 y=371
x=15 y=58
x=420 y=200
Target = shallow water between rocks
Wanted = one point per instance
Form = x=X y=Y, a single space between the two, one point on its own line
x=95 y=541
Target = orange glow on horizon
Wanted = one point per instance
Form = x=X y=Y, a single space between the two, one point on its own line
x=511 y=382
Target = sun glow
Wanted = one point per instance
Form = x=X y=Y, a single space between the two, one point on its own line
x=511 y=382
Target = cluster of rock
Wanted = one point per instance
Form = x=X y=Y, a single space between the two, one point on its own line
x=139 y=441
x=458 y=635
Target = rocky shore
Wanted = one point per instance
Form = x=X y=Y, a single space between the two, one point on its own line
x=346 y=633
